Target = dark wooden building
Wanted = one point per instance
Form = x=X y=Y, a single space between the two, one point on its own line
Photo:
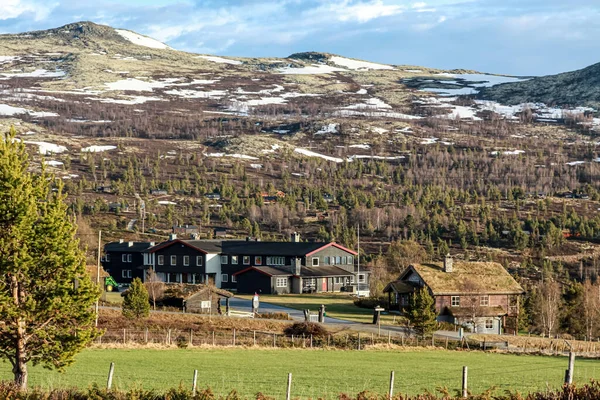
x=125 y=261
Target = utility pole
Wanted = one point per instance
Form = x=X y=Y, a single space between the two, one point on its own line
x=358 y=261
x=98 y=273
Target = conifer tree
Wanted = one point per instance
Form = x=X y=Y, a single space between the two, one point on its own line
x=421 y=312
x=46 y=295
x=136 y=304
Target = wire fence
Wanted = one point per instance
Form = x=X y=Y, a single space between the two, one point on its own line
x=345 y=341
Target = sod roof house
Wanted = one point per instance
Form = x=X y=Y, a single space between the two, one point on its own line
x=482 y=296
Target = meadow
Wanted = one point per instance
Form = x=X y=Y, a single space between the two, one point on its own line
x=316 y=373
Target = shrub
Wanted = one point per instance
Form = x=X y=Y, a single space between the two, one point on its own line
x=369 y=302
x=276 y=315
x=136 y=303
x=306 y=329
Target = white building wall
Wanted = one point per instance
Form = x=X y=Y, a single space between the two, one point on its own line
x=213 y=266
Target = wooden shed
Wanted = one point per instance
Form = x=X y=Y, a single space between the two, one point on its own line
x=207 y=299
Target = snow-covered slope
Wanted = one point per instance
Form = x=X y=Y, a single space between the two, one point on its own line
x=141 y=40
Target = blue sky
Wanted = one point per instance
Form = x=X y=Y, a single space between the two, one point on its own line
x=521 y=37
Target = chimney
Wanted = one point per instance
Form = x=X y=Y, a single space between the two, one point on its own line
x=248 y=238
x=152 y=244
x=130 y=244
x=295 y=237
x=121 y=241
x=172 y=236
x=448 y=263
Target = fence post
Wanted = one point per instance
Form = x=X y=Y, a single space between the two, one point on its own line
x=433 y=340
x=274 y=339
x=402 y=340
x=146 y=336
x=213 y=337
x=389 y=337
x=191 y=337
x=569 y=372
x=391 y=384
x=359 y=340
x=289 y=387
x=111 y=370
x=169 y=337
x=311 y=341
x=464 y=382
x=234 y=336
x=124 y=336
x=254 y=335
x=194 y=382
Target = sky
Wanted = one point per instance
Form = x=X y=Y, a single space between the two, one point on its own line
x=518 y=37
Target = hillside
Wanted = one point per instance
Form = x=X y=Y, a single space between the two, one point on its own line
x=577 y=88
x=125 y=120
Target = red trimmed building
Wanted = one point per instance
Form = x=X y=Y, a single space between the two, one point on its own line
x=250 y=266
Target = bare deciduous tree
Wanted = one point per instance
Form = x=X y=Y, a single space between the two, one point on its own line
x=155 y=287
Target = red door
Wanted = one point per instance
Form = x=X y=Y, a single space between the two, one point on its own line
x=324 y=285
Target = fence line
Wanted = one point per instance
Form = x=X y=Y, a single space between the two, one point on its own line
x=355 y=341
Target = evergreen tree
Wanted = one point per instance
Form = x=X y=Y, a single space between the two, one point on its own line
x=136 y=303
x=421 y=312
x=46 y=295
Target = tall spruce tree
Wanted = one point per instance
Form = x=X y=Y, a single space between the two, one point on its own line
x=421 y=312
x=136 y=303
x=46 y=295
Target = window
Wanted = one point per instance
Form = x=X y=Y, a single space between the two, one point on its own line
x=339 y=279
x=315 y=261
x=326 y=261
x=489 y=324
x=246 y=260
x=484 y=301
x=173 y=260
x=126 y=273
x=338 y=260
x=275 y=260
x=361 y=278
x=224 y=259
x=281 y=282
x=107 y=257
x=224 y=278
x=258 y=260
x=160 y=260
x=350 y=260
x=233 y=279
x=124 y=258
x=352 y=279
x=344 y=260
x=186 y=260
x=234 y=260
x=198 y=261
x=128 y=257
x=455 y=301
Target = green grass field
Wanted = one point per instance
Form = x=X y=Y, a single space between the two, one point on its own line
x=315 y=372
x=337 y=305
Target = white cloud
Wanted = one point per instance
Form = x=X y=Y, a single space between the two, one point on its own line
x=15 y=8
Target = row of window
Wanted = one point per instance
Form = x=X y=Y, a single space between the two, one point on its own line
x=225 y=278
x=338 y=260
x=484 y=301
x=160 y=260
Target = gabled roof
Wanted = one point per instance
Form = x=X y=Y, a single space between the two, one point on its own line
x=465 y=278
x=291 y=249
x=269 y=271
x=203 y=246
x=305 y=272
x=136 y=247
x=400 y=287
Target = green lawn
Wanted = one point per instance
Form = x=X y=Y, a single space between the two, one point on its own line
x=315 y=372
x=336 y=305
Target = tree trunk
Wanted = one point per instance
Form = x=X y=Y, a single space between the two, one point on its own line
x=20 y=365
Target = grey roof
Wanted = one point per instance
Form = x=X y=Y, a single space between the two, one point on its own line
x=273 y=271
x=400 y=287
x=324 y=271
x=209 y=246
x=243 y=247
x=136 y=247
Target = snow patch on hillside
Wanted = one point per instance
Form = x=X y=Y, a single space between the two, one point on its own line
x=141 y=40
x=38 y=73
x=97 y=149
x=7 y=110
x=220 y=60
x=313 y=154
x=357 y=65
x=313 y=69
x=46 y=148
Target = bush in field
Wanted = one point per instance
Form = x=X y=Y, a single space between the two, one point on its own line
x=136 y=303
x=275 y=315
x=306 y=329
x=369 y=302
